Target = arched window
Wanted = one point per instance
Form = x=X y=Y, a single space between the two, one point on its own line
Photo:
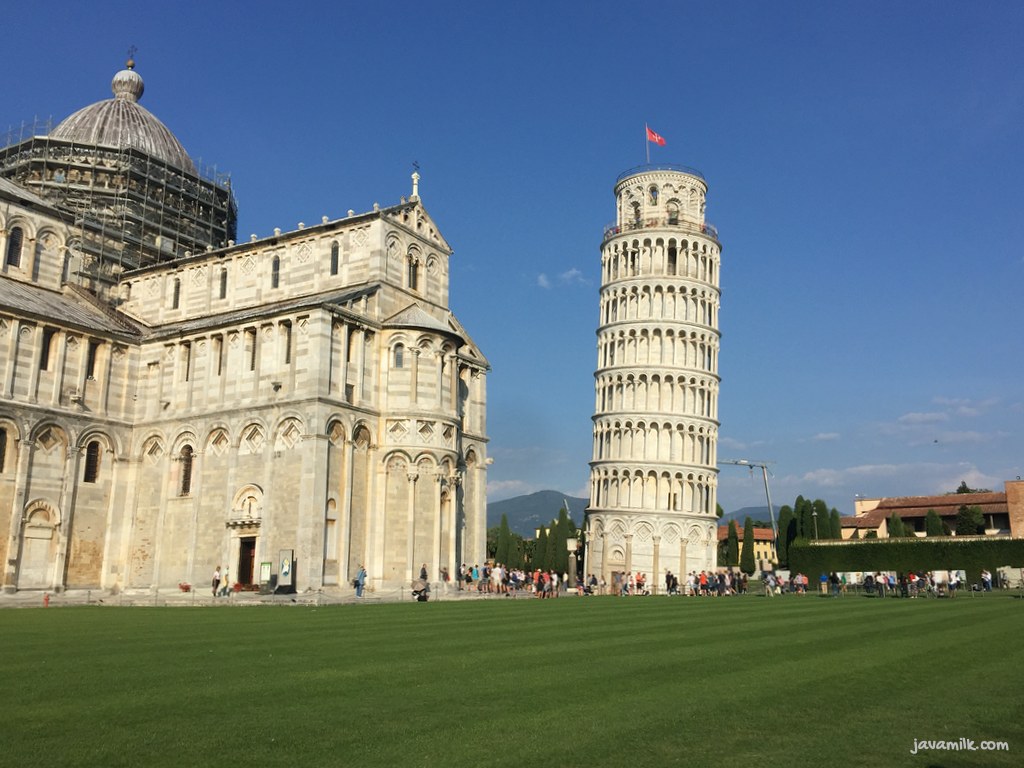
x=92 y=462
x=652 y=195
x=414 y=275
x=186 y=470
x=3 y=449
x=14 y=242
x=175 y=293
x=334 y=257
x=275 y=272
x=224 y=283
x=45 y=348
x=399 y=356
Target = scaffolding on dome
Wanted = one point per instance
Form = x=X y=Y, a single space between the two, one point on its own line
x=126 y=209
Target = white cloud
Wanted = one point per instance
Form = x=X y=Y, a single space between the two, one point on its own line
x=923 y=418
x=572 y=276
x=966 y=407
x=543 y=281
x=506 y=489
x=822 y=437
x=731 y=443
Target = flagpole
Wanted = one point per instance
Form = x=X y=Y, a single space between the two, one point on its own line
x=647 y=143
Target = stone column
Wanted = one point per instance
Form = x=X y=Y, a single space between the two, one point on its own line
x=17 y=513
x=21 y=333
x=414 y=376
x=454 y=482
x=345 y=513
x=629 y=553
x=413 y=476
x=360 y=366
x=656 y=576
x=682 y=557
x=435 y=564
x=66 y=505
x=36 y=338
x=344 y=341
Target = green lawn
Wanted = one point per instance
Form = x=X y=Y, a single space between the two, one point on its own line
x=748 y=681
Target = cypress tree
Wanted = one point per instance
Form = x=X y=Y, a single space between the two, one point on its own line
x=732 y=547
x=933 y=524
x=501 y=553
x=802 y=513
x=747 y=556
x=896 y=528
x=540 y=551
x=560 y=554
x=969 y=521
x=835 y=524
x=787 y=532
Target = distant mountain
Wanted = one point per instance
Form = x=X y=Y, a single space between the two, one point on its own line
x=528 y=513
x=757 y=514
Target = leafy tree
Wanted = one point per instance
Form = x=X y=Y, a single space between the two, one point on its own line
x=964 y=488
x=732 y=545
x=933 y=524
x=969 y=521
x=835 y=525
x=872 y=534
x=719 y=511
x=787 y=532
x=747 y=556
x=896 y=528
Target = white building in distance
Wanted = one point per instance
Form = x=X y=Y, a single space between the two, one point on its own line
x=653 y=477
x=287 y=408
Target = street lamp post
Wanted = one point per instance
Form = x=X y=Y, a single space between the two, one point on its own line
x=814 y=515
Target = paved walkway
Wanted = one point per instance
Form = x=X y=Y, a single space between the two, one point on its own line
x=37 y=598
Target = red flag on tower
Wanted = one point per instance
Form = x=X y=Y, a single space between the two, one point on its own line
x=652 y=136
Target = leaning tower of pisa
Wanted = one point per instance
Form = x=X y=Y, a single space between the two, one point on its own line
x=653 y=476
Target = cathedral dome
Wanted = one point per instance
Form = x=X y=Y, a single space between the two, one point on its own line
x=121 y=122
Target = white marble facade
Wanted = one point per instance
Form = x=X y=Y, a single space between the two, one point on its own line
x=654 y=467
x=308 y=391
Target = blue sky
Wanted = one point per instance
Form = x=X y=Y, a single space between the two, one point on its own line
x=864 y=165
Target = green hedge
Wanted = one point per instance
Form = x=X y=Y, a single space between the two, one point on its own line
x=928 y=554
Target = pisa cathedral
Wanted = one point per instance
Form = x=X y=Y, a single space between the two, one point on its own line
x=653 y=476
x=287 y=408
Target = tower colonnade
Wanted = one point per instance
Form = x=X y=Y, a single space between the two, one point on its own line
x=653 y=472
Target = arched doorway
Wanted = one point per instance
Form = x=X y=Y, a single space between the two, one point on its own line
x=38 y=548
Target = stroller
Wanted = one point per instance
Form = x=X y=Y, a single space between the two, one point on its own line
x=420 y=591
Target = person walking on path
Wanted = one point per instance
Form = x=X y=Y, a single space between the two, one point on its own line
x=360 y=581
x=216 y=580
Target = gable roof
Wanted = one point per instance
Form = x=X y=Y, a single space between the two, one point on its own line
x=414 y=316
x=908 y=507
x=70 y=308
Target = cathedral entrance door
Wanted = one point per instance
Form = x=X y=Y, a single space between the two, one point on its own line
x=246 y=559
